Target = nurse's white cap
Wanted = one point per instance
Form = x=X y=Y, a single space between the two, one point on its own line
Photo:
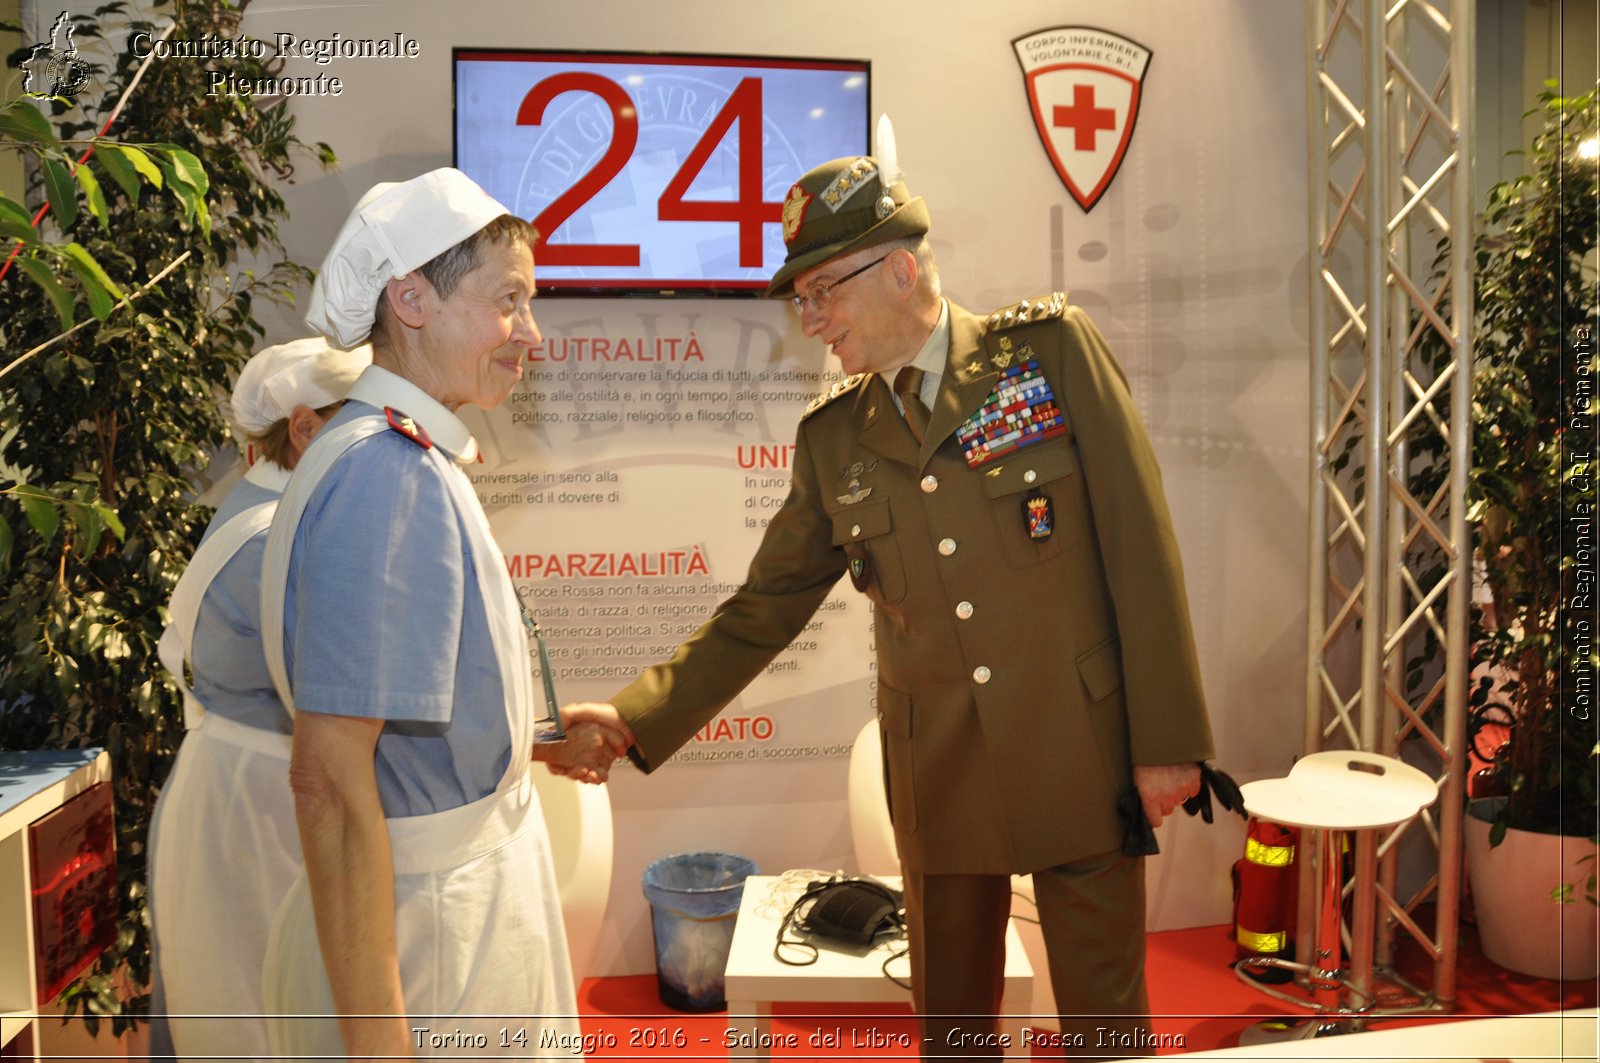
x=393 y=229
x=306 y=372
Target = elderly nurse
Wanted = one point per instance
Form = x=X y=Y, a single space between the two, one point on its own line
x=428 y=898
x=223 y=848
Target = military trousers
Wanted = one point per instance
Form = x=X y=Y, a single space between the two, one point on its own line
x=1091 y=912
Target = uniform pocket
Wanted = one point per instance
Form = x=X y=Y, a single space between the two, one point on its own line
x=894 y=719
x=1101 y=670
x=1052 y=469
x=865 y=532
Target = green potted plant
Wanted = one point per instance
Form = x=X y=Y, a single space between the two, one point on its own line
x=104 y=424
x=1531 y=497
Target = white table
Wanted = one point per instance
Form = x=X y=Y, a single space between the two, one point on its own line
x=755 y=979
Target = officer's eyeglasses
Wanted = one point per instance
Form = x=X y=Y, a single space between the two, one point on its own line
x=821 y=295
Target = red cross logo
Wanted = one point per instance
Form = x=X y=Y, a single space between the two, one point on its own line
x=1083 y=81
x=1083 y=118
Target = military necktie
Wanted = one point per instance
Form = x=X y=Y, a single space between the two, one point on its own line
x=908 y=385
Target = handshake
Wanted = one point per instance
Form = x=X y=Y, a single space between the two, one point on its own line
x=597 y=737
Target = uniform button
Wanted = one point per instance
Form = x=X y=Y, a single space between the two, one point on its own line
x=981 y=674
x=1029 y=476
x=930 y=483
x=964 y=610
x=947 y=547
x=855 y=529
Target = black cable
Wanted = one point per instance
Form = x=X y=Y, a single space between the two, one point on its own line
x=798 y=916
x=890 y=959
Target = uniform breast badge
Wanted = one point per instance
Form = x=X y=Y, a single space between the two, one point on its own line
x=1039 y=514
x=1021 y=410
x=1003 y=358
x=857 y=493
x=860 y=566
x=408 y=427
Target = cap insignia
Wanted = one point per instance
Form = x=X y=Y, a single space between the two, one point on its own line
x=794 y=212
x=850 y=181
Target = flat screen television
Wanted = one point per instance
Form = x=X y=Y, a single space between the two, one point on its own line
x=653 y=173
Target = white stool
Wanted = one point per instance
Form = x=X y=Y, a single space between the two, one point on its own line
x=1332 y=792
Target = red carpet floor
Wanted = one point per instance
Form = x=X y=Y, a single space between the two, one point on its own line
x=1199 y=1004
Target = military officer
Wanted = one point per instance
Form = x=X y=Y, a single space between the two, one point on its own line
x=988 y=484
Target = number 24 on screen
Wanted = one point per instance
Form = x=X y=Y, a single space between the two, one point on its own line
x=748 y=211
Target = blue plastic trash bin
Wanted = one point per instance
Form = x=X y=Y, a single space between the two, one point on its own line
x=694 y=901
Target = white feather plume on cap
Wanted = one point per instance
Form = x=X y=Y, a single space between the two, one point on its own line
x=888 y=156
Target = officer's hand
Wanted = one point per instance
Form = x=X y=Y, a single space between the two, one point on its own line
x=585 y=754
x=1163 y=787
x=618 y=733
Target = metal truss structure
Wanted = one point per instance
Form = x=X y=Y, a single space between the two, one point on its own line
x=1389 y=104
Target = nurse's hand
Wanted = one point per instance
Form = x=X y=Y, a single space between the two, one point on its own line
x=606 y=716
x=585 y=754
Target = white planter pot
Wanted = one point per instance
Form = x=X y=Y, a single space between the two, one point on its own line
x=1521 y=927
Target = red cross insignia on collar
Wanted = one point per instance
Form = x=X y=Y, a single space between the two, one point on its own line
x=408 y=427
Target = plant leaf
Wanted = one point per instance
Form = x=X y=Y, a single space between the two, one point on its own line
x=90 y=524
x=142 y=162
x=41 y=514
x=93 y=196
x=58 y=187
x=5 y=547
x=12 y=229
x=21 y=120
x=120 y=169
x=112 y=521
x=81 y=260
x=45 y=278
x=187 y=169
x=10 y=208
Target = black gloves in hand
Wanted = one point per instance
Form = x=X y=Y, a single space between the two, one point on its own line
x=1139 y=839
x=1214 y=780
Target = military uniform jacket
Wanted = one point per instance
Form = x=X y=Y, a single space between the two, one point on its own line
x=1018 y=679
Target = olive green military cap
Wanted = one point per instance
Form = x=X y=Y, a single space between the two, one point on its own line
x=840 y=207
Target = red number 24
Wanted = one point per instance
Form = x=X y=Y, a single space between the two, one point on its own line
x=749 y=212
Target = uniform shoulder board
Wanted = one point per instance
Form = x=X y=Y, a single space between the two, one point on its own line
x=840 y=387
x=1022 y=313
x=408 y=427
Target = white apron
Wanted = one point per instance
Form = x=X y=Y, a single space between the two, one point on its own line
x=482 y=951
x=223 y=843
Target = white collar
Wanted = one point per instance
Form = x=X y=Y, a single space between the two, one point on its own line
x=377 y=386
x=268 y=474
